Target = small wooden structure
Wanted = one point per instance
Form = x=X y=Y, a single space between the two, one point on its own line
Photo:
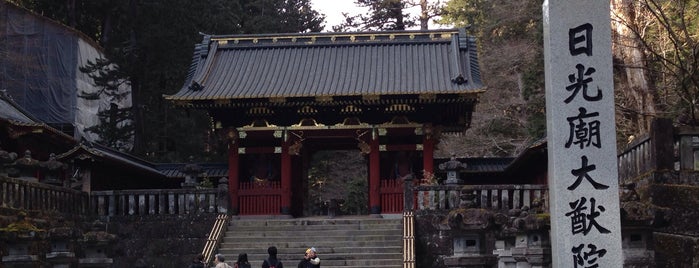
x=279 y=98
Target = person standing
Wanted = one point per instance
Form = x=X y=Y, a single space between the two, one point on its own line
x=310 y=259
x=242 y=261
x=272 y=261
x=220 y=261
x=198 y=262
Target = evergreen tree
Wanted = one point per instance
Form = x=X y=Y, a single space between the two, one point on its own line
x=151 y=42
x=383 y=15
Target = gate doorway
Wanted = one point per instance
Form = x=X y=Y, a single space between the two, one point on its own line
x=336 y=183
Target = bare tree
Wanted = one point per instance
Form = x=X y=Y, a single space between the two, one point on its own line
x=656 y=45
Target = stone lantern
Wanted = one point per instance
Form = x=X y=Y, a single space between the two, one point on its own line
x=22 y=241
x=191 y=173
x=97 y=245
x=26 y=167
x=453 y=168
x=5 y=159
x=63 y=243
x=52 y=170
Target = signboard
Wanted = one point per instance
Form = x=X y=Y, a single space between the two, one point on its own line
x=582 y=169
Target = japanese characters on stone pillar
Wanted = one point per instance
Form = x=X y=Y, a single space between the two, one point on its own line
x=584 y=197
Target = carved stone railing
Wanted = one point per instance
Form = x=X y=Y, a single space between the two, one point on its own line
x=157 y=202
x=636 y=159
x=27 y=195
x=493 y=197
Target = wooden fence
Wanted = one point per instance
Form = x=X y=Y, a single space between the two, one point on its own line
x=21 y=194
x=391 y=195
x=260 y=198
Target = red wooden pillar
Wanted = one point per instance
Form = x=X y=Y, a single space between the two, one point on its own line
x=428 y=155
x=233 y=164
x=374 y=174
x=286 y=179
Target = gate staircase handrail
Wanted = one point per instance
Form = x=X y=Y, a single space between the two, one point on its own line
x=408 y=240
x=214 y=240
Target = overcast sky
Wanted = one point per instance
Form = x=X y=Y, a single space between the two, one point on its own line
x=333 y=12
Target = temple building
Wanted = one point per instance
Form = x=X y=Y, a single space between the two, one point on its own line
x=280 y=98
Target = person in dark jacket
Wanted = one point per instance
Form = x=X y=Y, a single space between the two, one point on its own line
x=310 y=259
x=198 y=262
x=242 y=261
x=272 y=261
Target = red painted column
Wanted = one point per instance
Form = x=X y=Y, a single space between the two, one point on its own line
x=233 y=165
x=286 y=179
x=428 y=154
x=374 y=177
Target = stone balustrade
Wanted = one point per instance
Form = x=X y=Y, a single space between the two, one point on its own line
x=27 y=195
x=492 y=197
x=158 y=202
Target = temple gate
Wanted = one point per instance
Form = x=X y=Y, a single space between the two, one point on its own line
x=279 y=98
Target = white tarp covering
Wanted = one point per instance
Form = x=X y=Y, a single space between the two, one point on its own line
x=39 y=68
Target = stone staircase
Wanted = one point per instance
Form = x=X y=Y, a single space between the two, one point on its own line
x=341 y=242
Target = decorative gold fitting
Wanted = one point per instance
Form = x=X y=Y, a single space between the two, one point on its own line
x=242 y=134
x=222 y=42
x=382 y=148
x=382 y=131
x=277 y=134
x=241 y=150
x=277 y=150
x=277 y=100
x=419 y=147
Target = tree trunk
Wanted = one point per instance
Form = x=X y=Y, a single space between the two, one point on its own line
x=636 y=88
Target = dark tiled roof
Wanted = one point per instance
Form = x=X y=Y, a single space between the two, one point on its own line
x=480 y=165
x=95 y=150
x=331 y=65
x=14 y=114
x=215 y=170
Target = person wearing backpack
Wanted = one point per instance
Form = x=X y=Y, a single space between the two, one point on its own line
x=272 y=261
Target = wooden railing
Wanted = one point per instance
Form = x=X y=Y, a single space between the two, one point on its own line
x=636 y=159
x=494 y=197
x=260 y=198
x=214 y=240
x=21 y=194
x=157 y=201
x=391 y=195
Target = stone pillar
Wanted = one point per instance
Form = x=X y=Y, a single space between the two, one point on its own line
x=233 y=165
x=286 y=179
x=661 y=136
x=374 y=177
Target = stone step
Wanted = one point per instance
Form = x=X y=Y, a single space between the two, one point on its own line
x=367 y=262
x=330 y=249
x=254 y=234
x=341 y=242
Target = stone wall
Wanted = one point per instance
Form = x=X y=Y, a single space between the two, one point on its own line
x=130 y=241
x=159 y=240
